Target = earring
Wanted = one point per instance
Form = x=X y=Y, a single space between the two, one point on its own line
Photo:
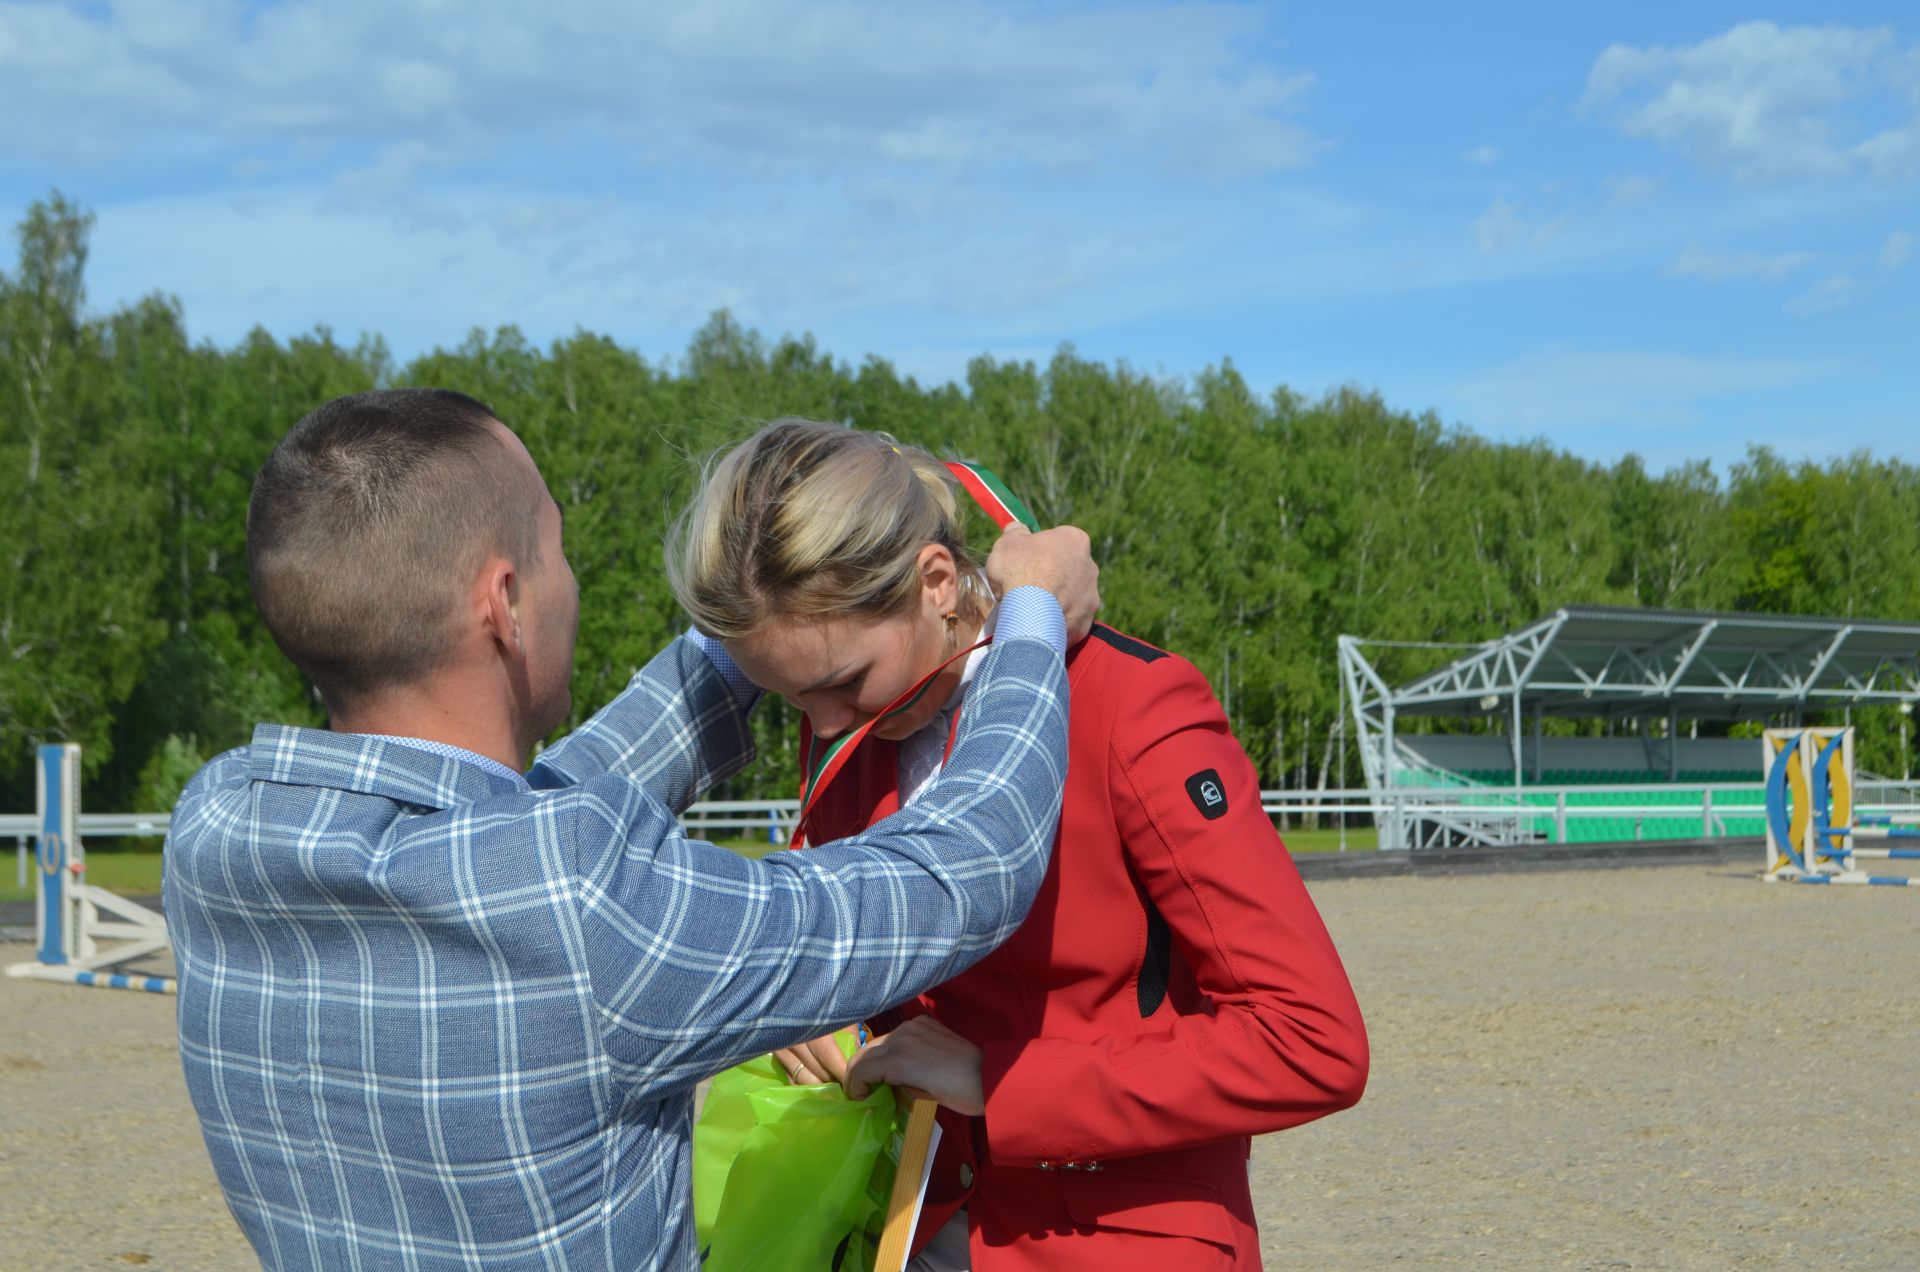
x=952 y=620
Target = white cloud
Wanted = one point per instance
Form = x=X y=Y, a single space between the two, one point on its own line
x=1762 y=102
x=1627 y=192
x=1483 y=156
x=1552 y=392
x=1836 y=291
x=644 y=272
x=1897 y=250
x=1893 y=154
x=1502 y=229
x=1695 y=261
x=977 y=172
x=744 y=82
x=1498 y=228
x=394 y=180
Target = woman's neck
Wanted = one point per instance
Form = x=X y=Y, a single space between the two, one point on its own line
x=966 y=635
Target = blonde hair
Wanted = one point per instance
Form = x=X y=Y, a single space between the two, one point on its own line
x=811 y=520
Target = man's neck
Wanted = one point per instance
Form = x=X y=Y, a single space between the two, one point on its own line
x=441 y=715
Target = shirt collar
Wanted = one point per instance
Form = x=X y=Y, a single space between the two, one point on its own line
x=448 y=751
x=375 y=765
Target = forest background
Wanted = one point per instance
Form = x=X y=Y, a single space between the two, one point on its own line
x=1243 y=530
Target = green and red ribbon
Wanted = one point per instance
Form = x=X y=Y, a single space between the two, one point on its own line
x=824 y=761
x=992 y=495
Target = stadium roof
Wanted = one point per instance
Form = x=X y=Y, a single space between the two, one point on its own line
x=1603 y=661
x=1597 y=660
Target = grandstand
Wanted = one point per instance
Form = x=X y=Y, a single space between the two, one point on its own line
x=1658 y=675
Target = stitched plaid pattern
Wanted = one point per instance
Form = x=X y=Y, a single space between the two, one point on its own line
x=431 y=1021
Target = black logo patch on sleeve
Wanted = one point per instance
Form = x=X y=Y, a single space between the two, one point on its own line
x=1208 y=793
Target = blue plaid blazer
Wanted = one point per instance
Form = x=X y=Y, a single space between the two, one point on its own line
x=430 y=1019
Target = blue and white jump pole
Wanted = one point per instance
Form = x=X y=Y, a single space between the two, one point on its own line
x=1813 y=834
x=67 y=924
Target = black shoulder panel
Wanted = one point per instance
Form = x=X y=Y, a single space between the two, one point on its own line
x=1127 y=644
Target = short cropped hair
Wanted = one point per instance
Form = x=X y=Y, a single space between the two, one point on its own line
x=366 y=525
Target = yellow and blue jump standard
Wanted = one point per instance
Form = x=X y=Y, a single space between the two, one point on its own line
x=68 y=927
x=1813 y=832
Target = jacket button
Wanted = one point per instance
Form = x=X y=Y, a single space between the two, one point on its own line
x=966 y=1175
x=1043 y=1165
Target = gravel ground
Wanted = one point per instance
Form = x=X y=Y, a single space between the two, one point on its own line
x=1653 y=1068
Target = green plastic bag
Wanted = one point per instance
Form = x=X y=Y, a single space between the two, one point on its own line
x=791 y=1178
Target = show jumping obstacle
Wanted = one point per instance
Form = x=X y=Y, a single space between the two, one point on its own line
x=1813 y=834
x=68 y=927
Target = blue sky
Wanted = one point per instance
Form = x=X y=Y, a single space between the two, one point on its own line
x=1674 y=229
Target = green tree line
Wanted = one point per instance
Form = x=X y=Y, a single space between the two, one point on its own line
x=1244 y=530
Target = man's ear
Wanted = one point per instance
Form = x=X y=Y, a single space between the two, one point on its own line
x=498 y=599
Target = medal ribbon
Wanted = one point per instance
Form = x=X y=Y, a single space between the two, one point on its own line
x=823 y=761
x=993 y=496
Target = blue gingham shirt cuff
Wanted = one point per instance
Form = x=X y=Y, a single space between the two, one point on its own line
x=745 y=692
x=1031 y=613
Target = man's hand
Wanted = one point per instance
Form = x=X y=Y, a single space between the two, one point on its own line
x=1060 y=560
x=925 y=1059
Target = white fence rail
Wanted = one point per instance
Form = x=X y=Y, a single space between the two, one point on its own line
x=1414 y=817
x=1430 y=817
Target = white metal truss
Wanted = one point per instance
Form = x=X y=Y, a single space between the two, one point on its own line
x=1602 y=661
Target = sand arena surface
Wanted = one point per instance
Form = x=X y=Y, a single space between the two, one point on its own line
x=1652 y=1068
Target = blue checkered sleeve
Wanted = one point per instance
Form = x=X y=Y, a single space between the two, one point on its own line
x=701 y=958
x=677 y=729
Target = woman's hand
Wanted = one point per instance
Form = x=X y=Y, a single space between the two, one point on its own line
x=814 y=1063
x=925 y=1059
x=1059 y=560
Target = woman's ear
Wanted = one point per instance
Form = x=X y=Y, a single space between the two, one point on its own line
x=939 y=579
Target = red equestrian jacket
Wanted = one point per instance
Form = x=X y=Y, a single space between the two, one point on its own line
x=1172 y=993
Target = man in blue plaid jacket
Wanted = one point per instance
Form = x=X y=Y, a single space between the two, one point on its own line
x=437 y=1012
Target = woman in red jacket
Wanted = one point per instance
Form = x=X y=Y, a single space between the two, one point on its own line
x=1173 y=990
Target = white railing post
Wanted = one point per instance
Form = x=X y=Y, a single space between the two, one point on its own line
x=1560 y=816
x=1706 y=813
